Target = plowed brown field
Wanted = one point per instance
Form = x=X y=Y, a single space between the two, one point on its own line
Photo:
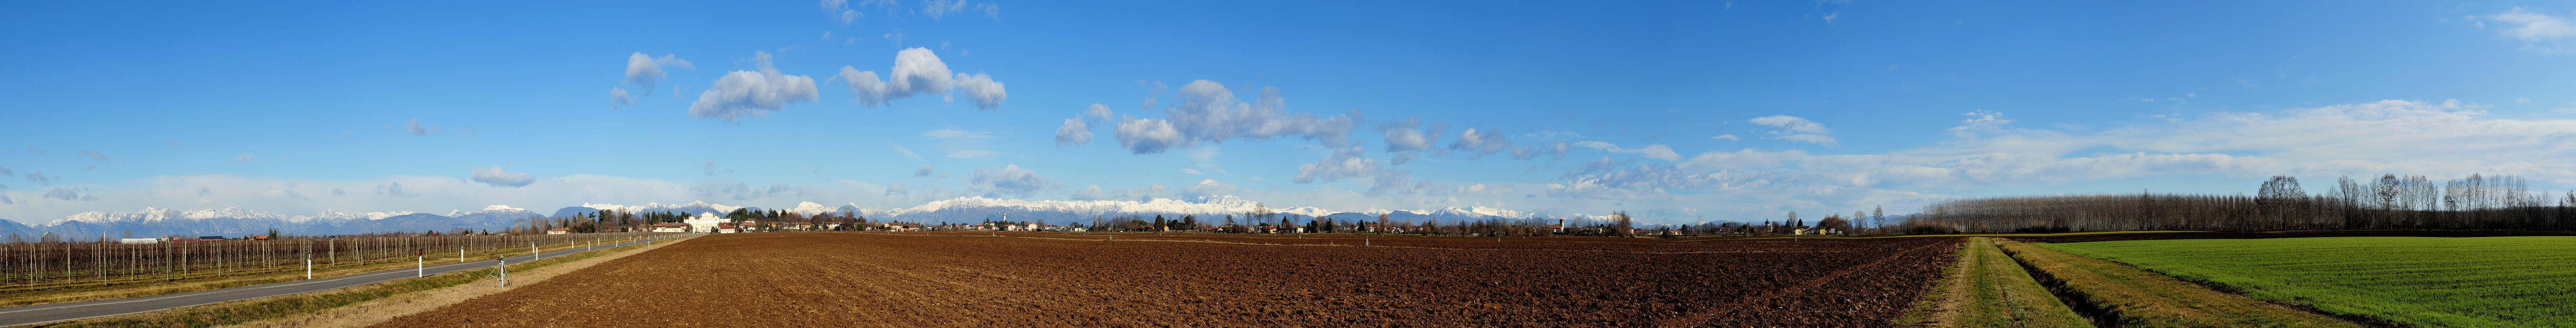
x=1070 y=279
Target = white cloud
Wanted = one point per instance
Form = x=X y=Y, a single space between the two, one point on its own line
x=1074 y=132
x=839 y=11
x=917 y=71
x=954 y=134
x=1980 y=121
x=617 y=97
x=2439 y=139
x=71 y=194
x=1008 y=180
x=2533 y=28
x=973 y=154
x=93 y=154
x=1728 y=137
x=244 y=158
x=1098 y=110
x=1829 y=17
x=1407 y=139
x=495 y=176
x=415 y=128
x=743 y=94
x=1208 y=112
x=1793 y=128
x=907 y=152
x=1351 y=163
x=1345 y=163
x=1481 y=143
x=1147 y=136
x=981 y=90
x=1209 y=187
x=923 y=172
x=644 y=70
x=940 y=8
x=1656 y=151
x=1192 y=171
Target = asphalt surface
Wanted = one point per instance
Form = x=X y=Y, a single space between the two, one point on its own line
x=37 y=314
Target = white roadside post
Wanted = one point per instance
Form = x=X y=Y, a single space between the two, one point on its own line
x=308 y=268
x=535 y=253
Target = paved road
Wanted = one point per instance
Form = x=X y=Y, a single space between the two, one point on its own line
x=36 y=314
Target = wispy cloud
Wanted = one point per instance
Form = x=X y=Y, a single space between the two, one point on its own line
x=1794 y=128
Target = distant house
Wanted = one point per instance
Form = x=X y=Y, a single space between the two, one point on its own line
x=899 y=226
x=259 y=237
x=726 y=227
x=139 y=240
x=670 y=227
x=559 y=231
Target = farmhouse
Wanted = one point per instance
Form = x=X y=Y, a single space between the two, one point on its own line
x=559 y=231
x=670 y=227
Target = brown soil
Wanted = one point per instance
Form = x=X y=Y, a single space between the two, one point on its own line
x=1070 y=279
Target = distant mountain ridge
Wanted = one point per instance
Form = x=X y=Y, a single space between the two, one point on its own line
x=236 y=221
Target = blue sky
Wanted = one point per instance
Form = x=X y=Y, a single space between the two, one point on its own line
x=1674 y=111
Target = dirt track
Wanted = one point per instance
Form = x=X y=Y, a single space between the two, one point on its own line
x=1048 y=279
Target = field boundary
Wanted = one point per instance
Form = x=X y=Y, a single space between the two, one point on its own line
x=1703 y=314
x=1412 y=247
x=2113 y=294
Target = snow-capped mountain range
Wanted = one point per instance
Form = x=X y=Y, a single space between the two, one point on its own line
x=236 y=221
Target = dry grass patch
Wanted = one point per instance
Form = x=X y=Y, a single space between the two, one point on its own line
x=1988 y=289
x=2129 y=296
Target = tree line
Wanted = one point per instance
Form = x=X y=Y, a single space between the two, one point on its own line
x=2482 y=202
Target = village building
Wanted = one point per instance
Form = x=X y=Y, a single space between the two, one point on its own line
x=559 y=231
x=670 y=227
x=705 y=222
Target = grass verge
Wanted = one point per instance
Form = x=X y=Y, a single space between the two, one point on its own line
x=1986 y=288
x=2120 y=295
x=287 y=306
x=2415 y=281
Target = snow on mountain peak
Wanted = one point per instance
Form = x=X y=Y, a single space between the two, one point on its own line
x=810 y=208
x=660 y=207
x=1498 y=212
x=154 y=214
x=495 y=208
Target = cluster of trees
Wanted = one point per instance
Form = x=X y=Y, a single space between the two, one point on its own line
x=629 y=221
x=2389 y=202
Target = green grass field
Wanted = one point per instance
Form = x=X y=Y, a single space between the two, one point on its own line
x=2420 y=281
